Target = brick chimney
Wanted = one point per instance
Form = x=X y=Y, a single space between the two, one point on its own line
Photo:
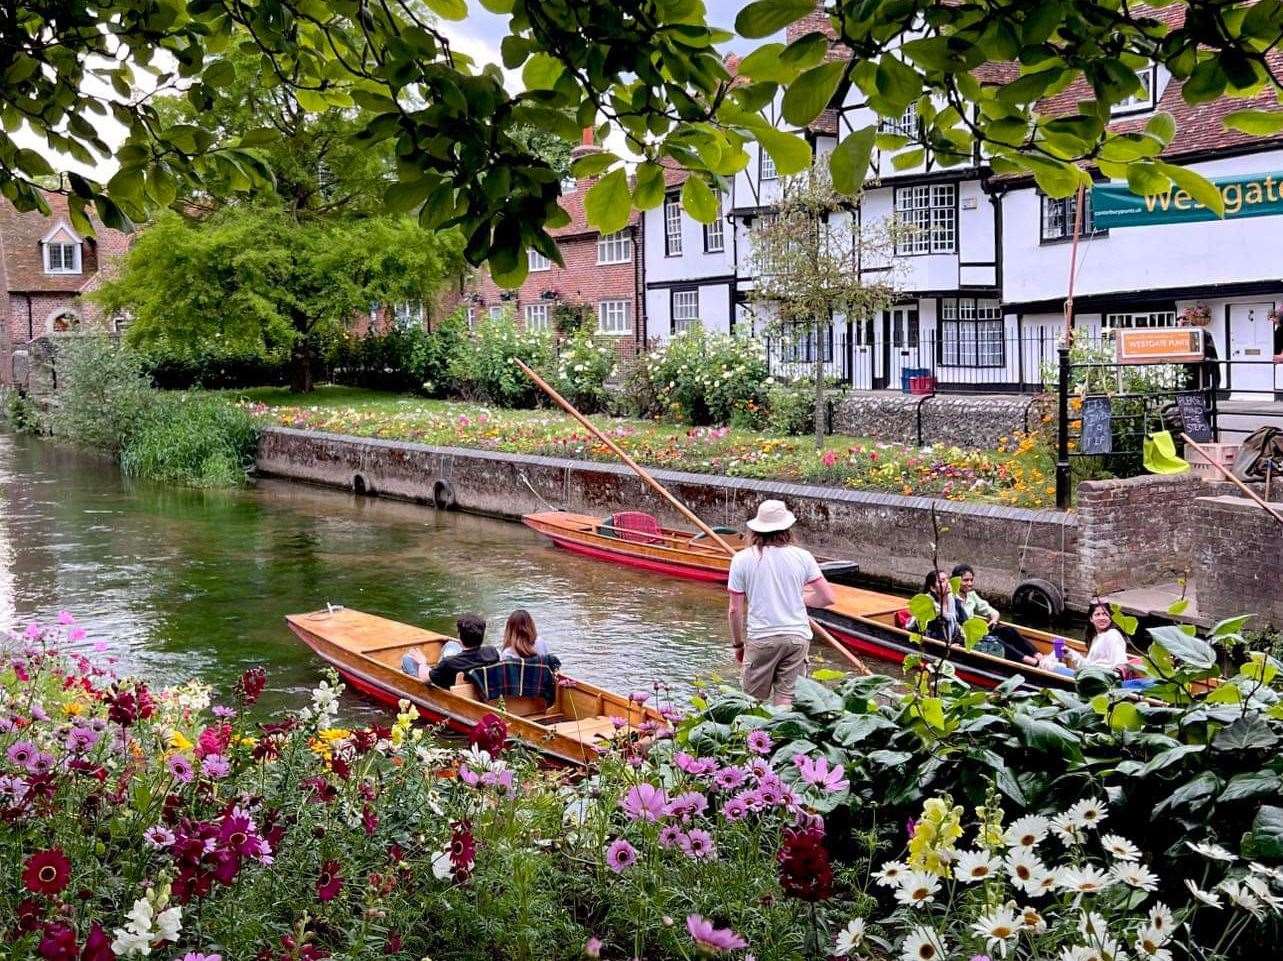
x=586 y=147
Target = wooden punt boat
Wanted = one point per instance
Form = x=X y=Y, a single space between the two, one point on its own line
x=366 y=650
x=861 y=619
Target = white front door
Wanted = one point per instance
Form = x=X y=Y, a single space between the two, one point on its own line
x=862 y=365
x=1252 y=345
x=901 y=343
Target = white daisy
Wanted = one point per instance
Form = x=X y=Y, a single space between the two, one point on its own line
x=973 y=866
x=1213 y=851
x=1027 y=831
x=1243 y=898
x=1095 y=931
x=1042 y=882
x=1136 y=876
x=1120 y=847
x=849 y=938
x=1069 y=829
x=1162 y=921
x=1023 y=866
x=917 y=888
x=1207 y=897
x=1032 y=920
x=922 y=944
x=1148 y=945
x=1088 y=812
x=1274 y=874
x=998 y=927
x=1084 y=880
x=1261 y=889
x=1077 y=952
x=891 y=874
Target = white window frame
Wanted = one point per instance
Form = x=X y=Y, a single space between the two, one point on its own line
x=766 y=165
x=672 y=226
x=1056 y=218
x=684 y=309
x=972 y=333
x=615 y=317
x=62 y=266
x=496 y=311
x=1134 y=319
x=932 y=209
x=715 y=233
x=1145 y=99
x=408 y=314
x=537 y=261
x=471 y=316
x=536 y=316
x=616 y=248
x=906 y=125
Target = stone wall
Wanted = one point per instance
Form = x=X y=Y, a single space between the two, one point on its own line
x=1136 y=531
x=888 y=535
x=1238 y=560
x=954 y=419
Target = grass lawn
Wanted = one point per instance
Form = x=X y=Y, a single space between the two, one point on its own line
x=1017 y=474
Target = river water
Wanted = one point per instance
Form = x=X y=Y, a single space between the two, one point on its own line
x=176 y=583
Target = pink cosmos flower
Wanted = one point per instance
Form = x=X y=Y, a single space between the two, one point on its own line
x=816 y=771
x=42 y=763
x=694 y=766
x=620 y=855
x=215 y=767
x=196 y=956
x=671 y=836
x=712 y=940
x=752 y=800
x=644 y=802
x=687 y=805
x=65 y=618
x=76 y=634
x=180 y=768
x=639 y=697
x=501 y=781
x=759 y=742
x=22 y=753
x=735 y=809
x=698 y=845
x=729 y=778
x=158 y=836
x=469 y=776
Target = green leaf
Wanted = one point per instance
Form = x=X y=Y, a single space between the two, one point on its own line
x=1178 y=607
x=1206 y=83
x=1183 y=647
x=1162 y=125
x=930 y=52
x=805 y=51
x=407 y=195
x=1231 y=625
x=897 y=82
x=1266 y=836
x=849 y=160
x=1194 y=184
x=851 y=729
x=813 y=698
x=449 y=9
x=1251 y=784
x=700 y=202
x=808 y=95
x=764 y=17
x=1194 y=793
x=931 y=710
x=973 y=630
x=608 y=203
x=592 y=164
x=498 y=6
x=790 y=152
x=1043 y=734
x=32 y=163
x=542 y=71
x=764 y=64
x=648 y=186
x=1249 y=733
x=1125 y=717
x=1167 y=758
x=827 y=674
x=923 y=609
x=1054 y=178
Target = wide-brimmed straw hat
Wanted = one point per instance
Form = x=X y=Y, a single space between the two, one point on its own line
x=772 y=516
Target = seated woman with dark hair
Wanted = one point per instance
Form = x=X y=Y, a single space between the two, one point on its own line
x=1015 y=646
x=950 y=614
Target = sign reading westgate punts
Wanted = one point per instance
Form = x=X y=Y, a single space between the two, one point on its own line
x=1246 y=195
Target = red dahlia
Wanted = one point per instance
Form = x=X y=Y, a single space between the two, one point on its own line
x=489 y=734
x=47 y=872
x=804 y=865
x=57 y=942
x=330 y=882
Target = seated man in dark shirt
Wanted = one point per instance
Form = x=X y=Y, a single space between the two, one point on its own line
x=472 y=631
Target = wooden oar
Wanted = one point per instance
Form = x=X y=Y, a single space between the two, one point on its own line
x=1230 y=477
x=677 y=505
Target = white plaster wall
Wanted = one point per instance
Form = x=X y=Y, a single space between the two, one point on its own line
x=714 y=310
x=693 y=263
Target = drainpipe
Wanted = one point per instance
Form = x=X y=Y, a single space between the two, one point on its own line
x=31 y=324
x=639 y=283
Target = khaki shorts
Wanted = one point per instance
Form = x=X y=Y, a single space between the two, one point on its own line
x=774 y=662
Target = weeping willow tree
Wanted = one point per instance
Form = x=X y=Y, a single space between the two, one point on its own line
x=815 y=262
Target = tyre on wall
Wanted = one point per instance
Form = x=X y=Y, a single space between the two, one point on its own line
x=359 y=486
x=443 y=496
x=1037 y=600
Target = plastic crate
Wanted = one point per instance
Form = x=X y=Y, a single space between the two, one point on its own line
x=922 y=385
x=907 y=375
x=1223 y=454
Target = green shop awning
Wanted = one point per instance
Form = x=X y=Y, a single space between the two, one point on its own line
x=1247 y=195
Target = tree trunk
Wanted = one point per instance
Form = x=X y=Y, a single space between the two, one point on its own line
x=820 y=333
x=301 y=366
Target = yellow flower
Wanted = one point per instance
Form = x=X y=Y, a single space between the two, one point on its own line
x=73 y=709
x=179 y=742
x=332 y=734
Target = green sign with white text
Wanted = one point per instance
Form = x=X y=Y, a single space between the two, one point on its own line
x=1247 y=195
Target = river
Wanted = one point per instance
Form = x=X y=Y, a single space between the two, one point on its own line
x=175 y=583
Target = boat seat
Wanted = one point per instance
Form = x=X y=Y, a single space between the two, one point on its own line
x=466 y=689
x=586 y=729
x=524 y=706
x=636 y=527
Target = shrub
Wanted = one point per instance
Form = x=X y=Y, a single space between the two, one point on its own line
x=582 y=368
x=191 y=439
x=103 y=392
x=405 y=360
x=483 y=368
x=790 y=409
x=22 y=412
x=214 y=369
x=703 y=378
x=637 y=395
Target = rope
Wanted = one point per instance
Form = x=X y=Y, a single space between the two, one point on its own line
x=539 y=497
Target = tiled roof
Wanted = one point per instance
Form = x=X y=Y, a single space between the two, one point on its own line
x=573 y=204
x=20 y=245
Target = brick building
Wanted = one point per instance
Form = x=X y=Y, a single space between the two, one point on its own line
x=603 y=273
x=46 y=268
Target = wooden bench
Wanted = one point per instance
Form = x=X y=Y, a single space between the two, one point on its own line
x=518 y=706
x=588 y=728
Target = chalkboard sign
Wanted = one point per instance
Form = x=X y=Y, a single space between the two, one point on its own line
x=1194 y=417
x=1098 y=433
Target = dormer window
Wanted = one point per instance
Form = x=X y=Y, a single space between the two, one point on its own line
x=61 y=248
x=1144 y=98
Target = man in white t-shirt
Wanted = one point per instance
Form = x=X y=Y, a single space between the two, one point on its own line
x=771 y=583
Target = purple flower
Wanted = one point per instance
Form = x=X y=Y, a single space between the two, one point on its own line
x=698 y=844
x=81 y=739
x=729 y=778
x=65 y=618
x=158 y=836
x=38 y=712
x=22 y=753
x=620 y=855
x=671 y=836
x=760 y=767
x=752 y=800
x=215 y=767
x=76 y=634
x=33 y=632
x=686 y=806
x=592 y=947
x=710 y=939
x=771 y=791
x=759 y=742
x=816 y=771
x=694 y=766
x=735 y=809
x=14 y=788
x=196 y=956
x=639 y=697
x=42 y=763
x=644 y=802
x=469 y=776
x=180 y=768
x=500 y=780
x=223 y=712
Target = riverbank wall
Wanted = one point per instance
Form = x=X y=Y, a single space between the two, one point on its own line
x=1116 y=528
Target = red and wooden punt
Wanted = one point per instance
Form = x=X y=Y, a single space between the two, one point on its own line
x=366 y=650
x=863 y=620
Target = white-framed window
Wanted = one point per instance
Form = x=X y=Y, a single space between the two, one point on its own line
x=615 y=317
x=537 y=261
x=62 y=257
x=1058 y=217
x=672 y=226
x=715 y=233
x=616 y=248
x=685 y=309
x=536 y=316
x=471 y=317
x=408 y=314
x=496 y=311
x=906 y=125
x=971 y=333
x=931 y=210
x=765 y=165
x=1144 y=98
x=1138 y=318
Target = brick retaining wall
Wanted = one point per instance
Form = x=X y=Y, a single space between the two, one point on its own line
x=1238 y=561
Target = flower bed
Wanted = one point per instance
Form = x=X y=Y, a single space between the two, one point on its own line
x=1017 y=473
